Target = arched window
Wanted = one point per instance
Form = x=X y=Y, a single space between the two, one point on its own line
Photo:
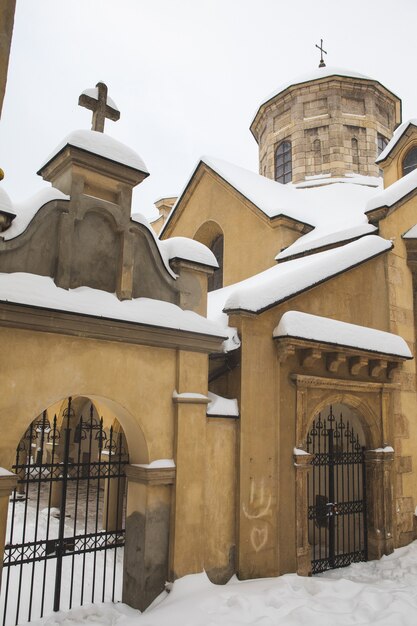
x=410 y=161
x=382 y=143
x=215 y=281
x=355 y=153
x=283 y=162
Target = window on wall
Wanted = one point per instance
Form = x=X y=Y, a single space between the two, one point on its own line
x=382 y=143
x=355 y=153
x=215 y=281
x=410 y=161
x=283 y=162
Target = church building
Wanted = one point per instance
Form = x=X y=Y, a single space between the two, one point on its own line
x=233 y=387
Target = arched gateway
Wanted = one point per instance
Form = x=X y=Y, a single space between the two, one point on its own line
x=337 y=512
x=66 y=519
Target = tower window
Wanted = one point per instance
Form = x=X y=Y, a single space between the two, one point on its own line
x=382 y=143
x=355 y=153
x=410 y=161
x=283 y=162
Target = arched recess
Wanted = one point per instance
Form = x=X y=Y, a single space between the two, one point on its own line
x=211 y=235
x=336 y=488
x=68 y=512
x=96 y=253
x=371 y=493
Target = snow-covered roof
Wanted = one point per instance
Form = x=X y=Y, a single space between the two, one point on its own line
x=398 y=133
x=299 y=325
x=285 y=280
x=328 y=179
x=102 y=145
x=189 y=250
x=323 y=237
x=5 y=202
x=93 y=93
x=395 y=192
x=41 y=291
x=333 y=208
x=316 y=74
x=26 y=210
x=222 y=407
x=178 y=247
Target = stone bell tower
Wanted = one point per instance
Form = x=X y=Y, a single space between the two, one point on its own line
x=330 y=124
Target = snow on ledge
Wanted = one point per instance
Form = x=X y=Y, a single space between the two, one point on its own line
x=103 y=145
x=157 y=464
x=398 y=133
x=394 y=193
x=25 y=211
x=299 y=452
x=189 y=250
x=323 y=329
x=385 y=449
x=274 y=285
x=189 y=395
x=93 y=93
x=41 y=291
x=222 y=407
x=411 y=234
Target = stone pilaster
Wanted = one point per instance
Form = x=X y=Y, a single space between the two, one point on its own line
x=379 y=498
x=145 y=568
x=302 y=464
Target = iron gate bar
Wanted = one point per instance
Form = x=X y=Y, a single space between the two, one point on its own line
x=40 y=478
x=339 y=488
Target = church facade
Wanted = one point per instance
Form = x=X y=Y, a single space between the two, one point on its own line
x=257 y=354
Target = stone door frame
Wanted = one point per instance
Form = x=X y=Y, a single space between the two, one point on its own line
x=373 y=403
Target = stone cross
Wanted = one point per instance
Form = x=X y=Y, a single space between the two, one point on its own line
x=320 y=47
x=100 y=107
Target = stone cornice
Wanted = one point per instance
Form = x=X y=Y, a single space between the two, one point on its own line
x=151 y=475
x=75 y=324
x=312 y=352
x=303 y=381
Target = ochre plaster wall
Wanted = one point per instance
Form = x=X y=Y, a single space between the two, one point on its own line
x=42 y=368
x=245 y=227
x=220 y=498
x=266 y=492
x=402 y=322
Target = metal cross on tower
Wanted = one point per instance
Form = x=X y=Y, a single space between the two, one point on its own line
x=320 y=47
x=96 y=101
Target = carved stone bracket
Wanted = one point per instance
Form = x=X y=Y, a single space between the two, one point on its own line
x=335 y=358
x=357 y=363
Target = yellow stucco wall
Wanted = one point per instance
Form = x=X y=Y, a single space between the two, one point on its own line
x=250 y=240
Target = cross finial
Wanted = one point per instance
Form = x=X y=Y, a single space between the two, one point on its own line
x=320 y=47
x=96 y=100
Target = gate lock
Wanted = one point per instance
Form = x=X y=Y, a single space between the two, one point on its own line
x=332 y=509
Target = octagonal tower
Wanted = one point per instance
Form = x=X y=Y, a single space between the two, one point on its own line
x=330 y=124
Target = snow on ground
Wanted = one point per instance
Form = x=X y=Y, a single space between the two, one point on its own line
x=381 y=593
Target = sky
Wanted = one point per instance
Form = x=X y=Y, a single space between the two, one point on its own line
x=187 y=75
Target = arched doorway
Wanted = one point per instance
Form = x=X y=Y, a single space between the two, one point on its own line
x=211 y=235
x=66 y=523
x=337 y=515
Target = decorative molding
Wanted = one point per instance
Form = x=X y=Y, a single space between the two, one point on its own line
x=334 y=360
x=151 y=475
x=357 y=363
x=27 y=317
x=342 y=384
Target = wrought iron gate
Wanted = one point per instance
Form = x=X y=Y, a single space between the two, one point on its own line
x=66 y=517
x=337 y=495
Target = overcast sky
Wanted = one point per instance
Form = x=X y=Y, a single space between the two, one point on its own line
x=187 y=75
